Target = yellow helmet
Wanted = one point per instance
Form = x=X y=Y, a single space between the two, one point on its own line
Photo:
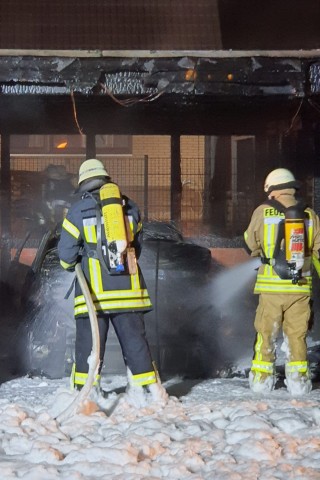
x=91 y=168
x=279 y=179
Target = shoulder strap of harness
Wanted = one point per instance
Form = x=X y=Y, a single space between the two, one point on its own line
x=275 y=204
x=99 y=238
x=97 y=253
x=280 y=235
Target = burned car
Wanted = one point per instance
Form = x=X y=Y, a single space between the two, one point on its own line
x=177 y=273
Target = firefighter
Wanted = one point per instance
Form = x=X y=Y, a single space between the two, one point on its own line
x=119 y=296
x=57 y=192
x=287 y=246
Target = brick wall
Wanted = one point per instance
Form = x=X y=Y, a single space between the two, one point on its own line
x=156 y=146
x=192 y=146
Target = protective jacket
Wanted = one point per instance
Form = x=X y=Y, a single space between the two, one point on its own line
x=78 y=242
x=261 y=238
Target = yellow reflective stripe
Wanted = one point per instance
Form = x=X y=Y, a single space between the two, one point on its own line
x=316 y=263
x=264 y=367
x=139 y=227
x=267 y=239
x=95 y=275
x=129 y=223
x=310 y=231
x=257 y=346
x=90 y=233
x=265 y=289
x=67 y=265
x=272 y=284
x=126 y=304
x=80 y=378
x=115 y=294
x=143 y=379
x=267 y=235
x=285 y=288
x=115 y=305
x=70 y=228
x=285 y=283
x=301 y=367
x=272 y=279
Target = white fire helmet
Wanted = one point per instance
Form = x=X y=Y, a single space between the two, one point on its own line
x=279 y=179
x=91 y=168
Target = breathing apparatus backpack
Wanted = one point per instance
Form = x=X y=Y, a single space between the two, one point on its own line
x=290 y=246
x=115 y=253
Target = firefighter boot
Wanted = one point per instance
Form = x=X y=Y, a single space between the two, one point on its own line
x=136 y=392
x=261 y=382
x=157 y=390
x=298 y=379
x=78 y=380
x=145 y=394
x=137 y=395
x=158 y=393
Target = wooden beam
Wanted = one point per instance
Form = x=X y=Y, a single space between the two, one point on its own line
x=312 y=53
x=176 y=184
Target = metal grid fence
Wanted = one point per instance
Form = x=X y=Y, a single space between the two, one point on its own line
x=145 y=180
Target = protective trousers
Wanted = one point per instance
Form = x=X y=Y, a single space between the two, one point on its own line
x=130 y=330
x=292 y=313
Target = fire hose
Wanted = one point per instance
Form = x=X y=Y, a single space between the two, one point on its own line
x=94 y=358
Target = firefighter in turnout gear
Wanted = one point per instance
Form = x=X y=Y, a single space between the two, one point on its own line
x=56 y=195
x=286 y=235
x=103 y=231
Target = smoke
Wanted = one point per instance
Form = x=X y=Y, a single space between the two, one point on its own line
x=231 y=283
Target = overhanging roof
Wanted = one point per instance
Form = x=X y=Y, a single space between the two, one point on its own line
x=197 y=73
x=153 y=64
x=180 y=92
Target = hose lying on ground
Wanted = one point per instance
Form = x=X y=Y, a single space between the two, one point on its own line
x=94 y=357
